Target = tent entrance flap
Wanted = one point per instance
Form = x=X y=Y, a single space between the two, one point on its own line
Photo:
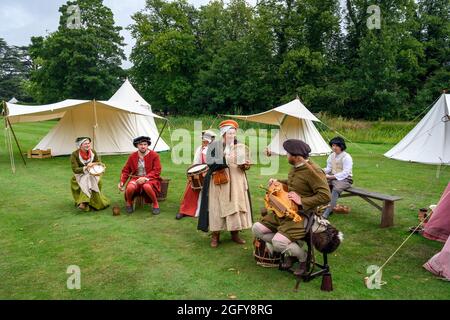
x=427 y=142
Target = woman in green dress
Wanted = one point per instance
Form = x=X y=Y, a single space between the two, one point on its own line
x=86 y=188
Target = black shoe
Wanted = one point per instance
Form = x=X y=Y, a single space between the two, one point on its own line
x=129 y=209
x=179 y=216
x=301 y=270
x=156 y=211
x=288 y=262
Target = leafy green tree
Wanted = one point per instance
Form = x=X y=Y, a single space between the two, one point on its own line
x=311 y=36
x=14 y=70
x=236 y=58
x=384 y=63
x=435 y=30
x=165 y=53
x=78 y=61
x=237 y=75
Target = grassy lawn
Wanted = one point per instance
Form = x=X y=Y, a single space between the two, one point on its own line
x=142 y=256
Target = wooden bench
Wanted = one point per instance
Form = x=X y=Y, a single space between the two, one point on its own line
x=387 y=210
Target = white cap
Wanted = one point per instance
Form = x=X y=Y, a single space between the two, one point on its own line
x=208 y=135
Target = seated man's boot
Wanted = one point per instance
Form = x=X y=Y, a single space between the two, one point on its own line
x=288 y=262
x=215 y=236
x=301 y=270
x=129 y=208
x=235 y=237
x=179 y=216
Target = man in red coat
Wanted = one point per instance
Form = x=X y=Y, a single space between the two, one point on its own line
x=144 y=169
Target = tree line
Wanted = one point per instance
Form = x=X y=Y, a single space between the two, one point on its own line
x=368 y=59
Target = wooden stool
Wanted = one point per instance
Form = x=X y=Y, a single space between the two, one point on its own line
x=312 y=265
x=139 y=200
x=311 y=272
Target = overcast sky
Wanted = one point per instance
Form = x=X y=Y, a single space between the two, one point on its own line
x=22 y=19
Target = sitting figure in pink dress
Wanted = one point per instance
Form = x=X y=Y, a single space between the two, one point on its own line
x=438 y=228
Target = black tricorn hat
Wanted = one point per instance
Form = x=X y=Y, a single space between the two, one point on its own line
x=140 y=139
x=339 y=142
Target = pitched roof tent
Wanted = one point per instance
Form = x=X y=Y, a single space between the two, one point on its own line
x=295 y=122
x=429 y=141
x=112 y=124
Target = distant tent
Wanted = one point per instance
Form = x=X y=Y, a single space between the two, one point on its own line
x=112 y=124
x=429 y=141
x=295 y=122
x=13 y=100
x=438 y=227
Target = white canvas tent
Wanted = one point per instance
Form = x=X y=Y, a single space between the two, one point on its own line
x=13 y=100
x=295 y=122
x=429 y=141
x=112 y=124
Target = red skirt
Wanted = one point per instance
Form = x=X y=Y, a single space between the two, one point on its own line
x=190 y=200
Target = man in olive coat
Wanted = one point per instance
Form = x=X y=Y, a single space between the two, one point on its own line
x=308 y=188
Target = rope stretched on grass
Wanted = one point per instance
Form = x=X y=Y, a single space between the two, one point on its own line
x=8 y=142
x=393 y=254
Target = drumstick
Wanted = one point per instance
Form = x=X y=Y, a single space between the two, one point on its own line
x=122 y=189
x=128 y=180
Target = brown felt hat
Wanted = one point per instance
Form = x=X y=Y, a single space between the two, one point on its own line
x=297 y=147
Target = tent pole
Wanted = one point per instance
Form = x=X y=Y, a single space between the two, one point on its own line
x=17 y=142
x=9 y=147
x=159 y=135
x=282 y=131
x=8 y=141
x=170 y=133
x=95 y=125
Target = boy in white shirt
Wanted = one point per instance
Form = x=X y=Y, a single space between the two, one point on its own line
x=338 y=171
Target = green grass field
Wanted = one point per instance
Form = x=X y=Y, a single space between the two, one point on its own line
x=142 y=256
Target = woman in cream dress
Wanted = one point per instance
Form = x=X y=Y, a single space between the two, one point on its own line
x=226 y=206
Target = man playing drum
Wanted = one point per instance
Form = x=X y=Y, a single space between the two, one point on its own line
x=86 y=188
x=191 y=199
x=143 y=168
x=308 y=188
